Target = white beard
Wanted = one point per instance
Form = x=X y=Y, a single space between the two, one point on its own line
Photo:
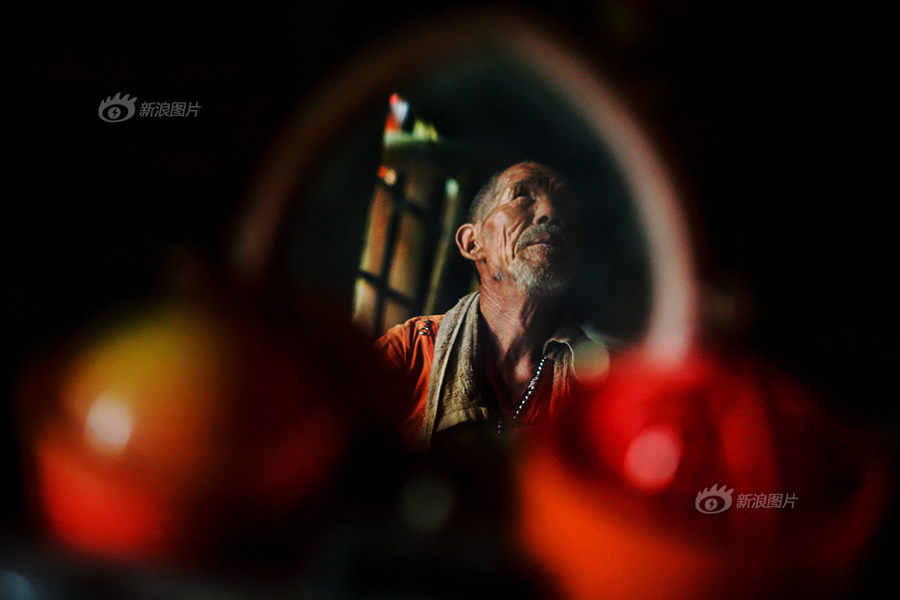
x=543 y=279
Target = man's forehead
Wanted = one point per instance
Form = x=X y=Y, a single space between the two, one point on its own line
x=525 y=177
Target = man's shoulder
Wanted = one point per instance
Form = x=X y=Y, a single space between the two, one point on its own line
x=401 y=342
x=418 y=323
x=405 y=336
x=416 y=326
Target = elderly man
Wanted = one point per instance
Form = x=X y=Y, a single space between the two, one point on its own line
x=502 y=357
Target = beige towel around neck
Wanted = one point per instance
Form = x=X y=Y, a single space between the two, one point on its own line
x=454 y=388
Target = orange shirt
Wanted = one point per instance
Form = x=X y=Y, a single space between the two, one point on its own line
x=409 y=349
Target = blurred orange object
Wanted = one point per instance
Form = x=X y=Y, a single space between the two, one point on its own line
x=616 y=497
x=177 y=431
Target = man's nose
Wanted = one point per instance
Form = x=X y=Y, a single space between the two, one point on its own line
x=546 y=211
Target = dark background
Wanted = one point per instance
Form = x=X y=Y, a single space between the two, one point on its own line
x=773 y=114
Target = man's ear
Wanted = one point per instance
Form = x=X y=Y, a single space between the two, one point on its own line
x=468 y=242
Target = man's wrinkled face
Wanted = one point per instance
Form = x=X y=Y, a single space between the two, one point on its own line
x=530 y=235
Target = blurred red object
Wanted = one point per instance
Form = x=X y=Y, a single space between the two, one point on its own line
x=179 y=432
x=617 y=497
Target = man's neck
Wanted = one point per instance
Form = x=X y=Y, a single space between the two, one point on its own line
x=517 y=326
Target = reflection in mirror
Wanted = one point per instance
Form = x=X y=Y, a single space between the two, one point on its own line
x=496 y=90
x=487 y=92
x=375 y=225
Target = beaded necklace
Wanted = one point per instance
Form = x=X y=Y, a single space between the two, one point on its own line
x=526 y=396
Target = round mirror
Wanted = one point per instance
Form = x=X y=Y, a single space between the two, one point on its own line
x=359 y=200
